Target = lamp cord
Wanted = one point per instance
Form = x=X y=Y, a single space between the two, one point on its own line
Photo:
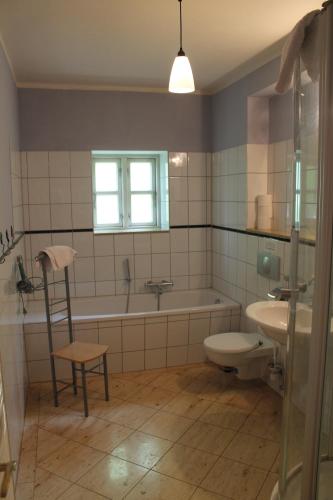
x=180 y=25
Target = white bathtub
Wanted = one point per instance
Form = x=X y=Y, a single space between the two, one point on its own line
x=114 y=307
x=144 y=338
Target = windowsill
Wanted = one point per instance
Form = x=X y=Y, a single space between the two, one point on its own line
x=127 y=231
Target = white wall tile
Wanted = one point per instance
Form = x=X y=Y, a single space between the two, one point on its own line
x=197 y=239
x=104 y=268
x=142 y=243
x=197 y=212
x=85 y=289
x=160 y=265
x=103 y=244
x=80 y=164
x=177 y=164
x=196 y=164
x=160 y=242
x=111 y=337
x=38 y=163
x=199 y=330
x=198 y=263
x=60 y=190
x=61 y=216
x=178 y=190
x=115 y=362
x=133 y=338
x=176 y=356
x=179 y=213
x=133 y=361
x=59 y=164
x=81 y=190
x=196 y=354
x=179 y=264
x=155 y=358
x=179 y=240
x=83 y=243
x=197 y=188
x=177 y=333
x=142 y=265
x=82 y=215
x=84 y=269
x=39 y=216
x=123 y=244
x=155 y=335
x=105 y=288
x=39 y=192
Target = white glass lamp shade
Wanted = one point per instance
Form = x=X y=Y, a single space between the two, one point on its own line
x=181 y=77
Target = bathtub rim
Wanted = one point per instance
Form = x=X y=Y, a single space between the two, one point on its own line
x=38 y=317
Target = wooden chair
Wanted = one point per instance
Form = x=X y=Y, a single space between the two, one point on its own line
x=76 y=353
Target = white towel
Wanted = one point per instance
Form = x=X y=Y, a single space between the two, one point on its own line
x=292 y=50
x=58 y=257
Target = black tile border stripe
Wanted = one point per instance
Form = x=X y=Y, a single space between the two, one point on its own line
x=182 y=226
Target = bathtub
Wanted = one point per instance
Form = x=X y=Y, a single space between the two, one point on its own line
x=143 y=338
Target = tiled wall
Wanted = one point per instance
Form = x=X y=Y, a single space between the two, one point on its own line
x=234 y=268
x=239 y=174
x=58 y=195
x=280 y=161
x=135 y=344
x=12 y=351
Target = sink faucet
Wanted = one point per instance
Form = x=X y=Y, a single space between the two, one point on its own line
x=282 y=293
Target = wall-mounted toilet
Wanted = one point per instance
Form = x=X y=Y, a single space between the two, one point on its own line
x=248 y=353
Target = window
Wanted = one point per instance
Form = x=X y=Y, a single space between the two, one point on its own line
x=128 y=191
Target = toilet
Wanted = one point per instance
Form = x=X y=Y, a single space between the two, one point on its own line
x=247 y=354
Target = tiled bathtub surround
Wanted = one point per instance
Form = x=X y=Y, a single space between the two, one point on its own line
x=139 y=342
x=58 y=196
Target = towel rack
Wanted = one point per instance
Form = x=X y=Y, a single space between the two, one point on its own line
x=77 y=353
x=8 y=243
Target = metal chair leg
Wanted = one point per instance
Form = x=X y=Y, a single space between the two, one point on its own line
x=106 y=379
x=84 y=388
x=74 y=378
x=54 y=382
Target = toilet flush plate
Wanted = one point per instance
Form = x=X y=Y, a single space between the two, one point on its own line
x=268 y=265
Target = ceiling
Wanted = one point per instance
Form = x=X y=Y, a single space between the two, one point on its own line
x=132 y=43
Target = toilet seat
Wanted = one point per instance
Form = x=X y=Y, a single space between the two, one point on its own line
x=233 y=342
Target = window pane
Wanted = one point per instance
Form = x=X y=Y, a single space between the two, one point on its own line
x=141 y=176
x=107 y=209
x=106 y=176
x=142 y=209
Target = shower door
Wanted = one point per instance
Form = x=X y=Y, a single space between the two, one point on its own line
x=307 y=429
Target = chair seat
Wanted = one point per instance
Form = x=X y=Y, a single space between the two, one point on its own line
x=80 y=352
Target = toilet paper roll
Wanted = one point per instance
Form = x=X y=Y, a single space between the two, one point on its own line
x=264 y=223
x=265 y=211
x=264 y=199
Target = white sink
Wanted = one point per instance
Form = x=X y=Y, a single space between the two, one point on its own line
x=272 y=317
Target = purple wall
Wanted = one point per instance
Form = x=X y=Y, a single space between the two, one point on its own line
x=229 y=107
x=9 y=139
x=83 y=120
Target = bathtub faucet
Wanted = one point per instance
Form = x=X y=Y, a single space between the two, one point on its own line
x=158 y=287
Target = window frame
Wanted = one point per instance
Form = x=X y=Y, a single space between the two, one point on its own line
x=124 y=192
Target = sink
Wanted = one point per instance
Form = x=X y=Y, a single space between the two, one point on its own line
x=272 y=317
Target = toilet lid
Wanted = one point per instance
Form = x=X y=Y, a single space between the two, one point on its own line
x=233 y=342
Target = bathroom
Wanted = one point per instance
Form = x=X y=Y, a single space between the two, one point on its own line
x=194 y=211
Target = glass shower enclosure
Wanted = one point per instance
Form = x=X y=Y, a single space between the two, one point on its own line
x=306 y=469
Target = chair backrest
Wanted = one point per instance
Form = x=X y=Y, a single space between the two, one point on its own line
x=52 y=307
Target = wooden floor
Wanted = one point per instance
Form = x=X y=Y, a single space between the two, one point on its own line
x=183 y=433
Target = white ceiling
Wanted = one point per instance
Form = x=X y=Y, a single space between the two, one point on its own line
x=132 y=43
